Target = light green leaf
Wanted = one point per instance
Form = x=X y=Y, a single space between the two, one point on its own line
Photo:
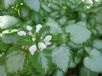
x=8 y=3
x=33 y=4
x=2 y=71
x=54 y=26
x=94 y=61
x=44 y=62
x=15 y=61
x=78 y=32
x=61 y=57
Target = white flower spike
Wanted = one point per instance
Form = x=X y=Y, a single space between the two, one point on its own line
x=28 y=27
x=42 y=46
x=38 y=27
x=21 y=33
x=32 y=49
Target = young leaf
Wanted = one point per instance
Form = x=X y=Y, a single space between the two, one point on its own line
x=61 y=57
x=33 y=4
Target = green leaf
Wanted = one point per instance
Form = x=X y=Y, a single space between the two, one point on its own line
x=94 y=61
x=54 y=26
x=35 y=61
x=24 y=12
x=8 y=3
x=15 y=61
x=3 y=71
x=78 y=32
x=61 y=57
x=33 y=4
x=86 y=72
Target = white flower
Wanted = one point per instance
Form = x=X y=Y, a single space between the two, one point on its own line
x=38 y=27
x=7 y=21
x=21 y=33
x=32 y=49
x=47 y=40
x=29 y=28
x=42 y=46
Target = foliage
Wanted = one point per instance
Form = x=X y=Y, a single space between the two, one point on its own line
x=50 y=37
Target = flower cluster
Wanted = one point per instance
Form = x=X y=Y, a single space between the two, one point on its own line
x=41 y=44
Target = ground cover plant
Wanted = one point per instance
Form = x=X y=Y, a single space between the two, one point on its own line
x=50 y=37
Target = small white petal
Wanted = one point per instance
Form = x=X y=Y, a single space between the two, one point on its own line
x=21 y=33
x=29 y=28
x=32 y=49
x=47 y=43
x=41 y=45
x=48 y=38
x=38 y=27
